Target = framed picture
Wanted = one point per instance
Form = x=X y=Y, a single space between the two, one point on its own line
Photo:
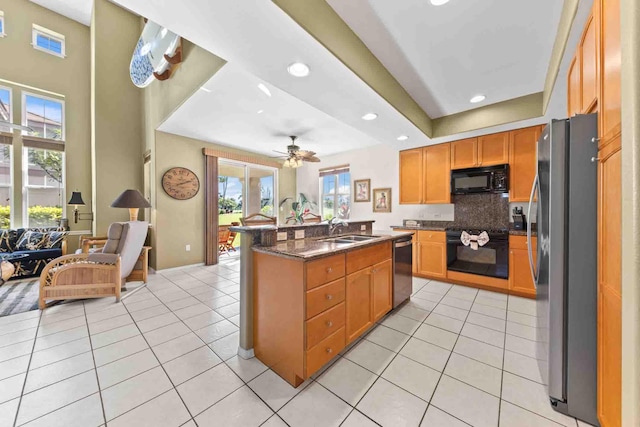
x=382 y=199
x=362 y=190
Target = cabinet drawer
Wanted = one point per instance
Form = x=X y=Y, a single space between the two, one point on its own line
x=326 y=350
x=431 y=236
x=324 y=297
x=366 y=257
x=520 y=242
x=324 y=270
x=325 y=324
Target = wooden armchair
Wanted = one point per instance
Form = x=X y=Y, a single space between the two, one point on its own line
x=140 y=272
x=258 y=219
x=95 y=274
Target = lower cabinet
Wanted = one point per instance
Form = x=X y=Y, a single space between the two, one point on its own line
x=381 y=278
x=520 y=280
x=432 y=254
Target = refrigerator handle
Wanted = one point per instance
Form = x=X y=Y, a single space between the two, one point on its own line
x=534 y=274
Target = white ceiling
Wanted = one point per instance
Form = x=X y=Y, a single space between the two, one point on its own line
x=228 y=115
x=258 y=37
x=78 y=10
x=444 y=55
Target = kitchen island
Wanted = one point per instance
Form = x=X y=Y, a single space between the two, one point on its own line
x=312 y=297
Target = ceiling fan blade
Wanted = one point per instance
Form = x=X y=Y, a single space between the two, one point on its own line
x=312 y=159
x=280 y=152
x=305 y=153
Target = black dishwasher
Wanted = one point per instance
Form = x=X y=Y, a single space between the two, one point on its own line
x=402 y=263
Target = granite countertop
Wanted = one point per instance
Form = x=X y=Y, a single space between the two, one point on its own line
x=443 y=227
x=309 y=249
x=513 y=232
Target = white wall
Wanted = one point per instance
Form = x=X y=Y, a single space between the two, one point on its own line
x=380 y=163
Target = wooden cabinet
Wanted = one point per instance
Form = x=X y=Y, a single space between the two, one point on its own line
x=522 y=162
x=432 y=254
x=382 y=277
x=610 y=82
x=610 y=284
x=589 y=64
x=464 y=153
x=486 y=150
x=520 y=280
x=359 y=307
x=411 y=176
x=493 y=149
x=437 y=174
x=574 y=91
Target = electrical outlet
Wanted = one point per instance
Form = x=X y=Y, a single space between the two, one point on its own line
x=299 y=234
x=282 y=235
x=187 y=248
x=363 y=227
x=437 y=215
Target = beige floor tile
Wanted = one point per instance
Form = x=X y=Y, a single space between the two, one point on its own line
x=11 y=387
x=166 y=333
x=191 y=310
x=453 y=312
x=521 y=346
x=347 y=380
x=412 y=376
x=208 y=388
x=156 y=322
x=466 y=403
x=491 y=302
x=428 y=354
x=523 y=366
x=437 y=418
x=487 y=322
x=387 y=338
x=216 y=331
x=229 y=310
x=522 y=305
x=125 y=368
x=136 y=306
x=437 y=336
x=402 y=324
x=389 y=405
x=43 y=343
x=204 y=319
x=166 y=410
x=19 y=326
x=482 y=376
x=109 y=337
x=444 y=322
x=498 y=313
x=413 y=312
x=242 y=408
x=55 y=396
x=423 y=304
x=58 y=371
x=15 y=366
x=479 y=351
x=83 y=413
x=315 y=406
x=16 y=350
x=109 y=324
x=18 y=337
x=514 y=416
x=191 y=364
x=275 y=391
x=177 y=347
x=358 y=419
x=522 y=331
x=149 y=312
x=133 y=392
x=118 y=350
x=458 y=301
x=8 y=411
x=226 y=347
x=523 y=319
x=370 y=356
x=480 y=333
x=247 y=369
x=181 y=303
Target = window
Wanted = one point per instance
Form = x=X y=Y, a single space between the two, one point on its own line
x=5 y=186
x=43 y=191
x=335 y=190
x=5 y=108
x=44 y=115
x=48 y=41
x=2 y=24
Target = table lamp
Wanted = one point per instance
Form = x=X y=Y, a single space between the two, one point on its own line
x=132 y=200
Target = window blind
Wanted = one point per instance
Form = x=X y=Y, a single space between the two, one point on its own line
x=335 y=170
x=43 y=144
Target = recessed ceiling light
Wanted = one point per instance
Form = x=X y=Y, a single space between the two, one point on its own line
x=264 y=89
x=370 y=116
x=439 y=2
x=204 y=89
x=477 y=98
x=260 y=111
x=298 y=69
x=403 y=138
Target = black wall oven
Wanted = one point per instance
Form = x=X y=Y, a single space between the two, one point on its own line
x=490 y=179
x=491 y=260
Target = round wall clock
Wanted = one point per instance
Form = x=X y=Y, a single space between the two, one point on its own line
x=180 y=183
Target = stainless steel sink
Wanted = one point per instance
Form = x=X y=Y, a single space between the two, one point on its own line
x=353 y=238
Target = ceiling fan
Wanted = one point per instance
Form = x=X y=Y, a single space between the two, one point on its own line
x=295 y=156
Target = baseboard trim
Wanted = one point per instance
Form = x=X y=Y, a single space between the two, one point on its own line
x=182 y=267
x=246 y=354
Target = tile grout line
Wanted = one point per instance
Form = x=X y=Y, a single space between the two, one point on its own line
x=24 y=383
x=95 y=368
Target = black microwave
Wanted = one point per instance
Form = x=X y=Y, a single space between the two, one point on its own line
x=489 y=179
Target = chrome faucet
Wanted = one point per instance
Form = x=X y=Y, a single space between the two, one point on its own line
x=336 y=222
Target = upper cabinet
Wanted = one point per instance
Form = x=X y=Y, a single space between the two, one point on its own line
x=493 y=149
x=437 y=174
x=486 y=150
x=610 y=70
x=589 y=61
x=464 y=153
x=411 y=180
x=522 y=162
x=425 y=175
x=574 y=102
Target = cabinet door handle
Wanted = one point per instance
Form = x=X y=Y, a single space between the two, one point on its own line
x=329 y=296
x=374 y=271
x=329 y=269
x=329 y=323
x=329 y=350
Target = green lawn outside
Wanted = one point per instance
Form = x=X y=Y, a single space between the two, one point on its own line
x=227 y=219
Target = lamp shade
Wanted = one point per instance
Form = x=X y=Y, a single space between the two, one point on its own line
x=130 y=199
x=76 y=199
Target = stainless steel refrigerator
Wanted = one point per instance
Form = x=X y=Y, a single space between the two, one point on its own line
x=565 y=273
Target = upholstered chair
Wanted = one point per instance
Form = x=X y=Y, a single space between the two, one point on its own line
x=96 y=274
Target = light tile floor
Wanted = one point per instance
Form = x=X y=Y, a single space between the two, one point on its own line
x=166 y=356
